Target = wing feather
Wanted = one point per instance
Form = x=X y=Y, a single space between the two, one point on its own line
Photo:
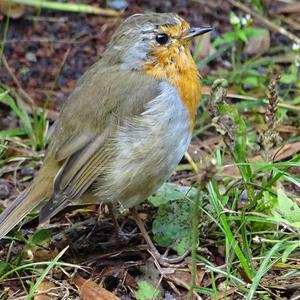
x=84 y=137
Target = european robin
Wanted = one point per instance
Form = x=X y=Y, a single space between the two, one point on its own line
x=126 y=125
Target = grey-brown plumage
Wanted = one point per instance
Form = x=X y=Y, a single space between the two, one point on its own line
x=122 y=131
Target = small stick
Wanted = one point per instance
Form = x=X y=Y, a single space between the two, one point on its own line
x=29 y=102
x=26 y=96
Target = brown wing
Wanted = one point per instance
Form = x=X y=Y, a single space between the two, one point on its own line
x=83 y=139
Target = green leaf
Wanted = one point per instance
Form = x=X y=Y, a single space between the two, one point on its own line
x=146 y=291
x=296 y=100
x=3 y=266
x=287 y=209
x=242 y=35
x=288 y=78
x=171 y=192
x=39 y=237
x=172 y=225
x=227 y=37
x=254 y=32
x=251 y=80
x=230 y=36
x=12 y=132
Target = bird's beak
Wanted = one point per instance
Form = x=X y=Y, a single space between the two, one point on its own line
x=195 y=31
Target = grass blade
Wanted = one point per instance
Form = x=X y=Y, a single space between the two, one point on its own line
x=264 y=267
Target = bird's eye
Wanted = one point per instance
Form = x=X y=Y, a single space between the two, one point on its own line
x=162 y=38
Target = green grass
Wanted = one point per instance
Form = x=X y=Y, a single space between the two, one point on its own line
x=34 y=126
x=67 y=7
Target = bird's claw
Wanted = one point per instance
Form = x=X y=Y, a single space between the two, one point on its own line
x=165 y=261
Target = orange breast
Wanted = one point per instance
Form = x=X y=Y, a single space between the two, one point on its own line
x=176 y=65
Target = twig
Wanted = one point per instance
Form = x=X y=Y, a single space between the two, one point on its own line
x=207 y=92
x=265 y=21
x=71 y=7
x=29 y=102
x=26 y=96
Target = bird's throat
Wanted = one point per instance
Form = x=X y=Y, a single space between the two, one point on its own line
x=179 y=68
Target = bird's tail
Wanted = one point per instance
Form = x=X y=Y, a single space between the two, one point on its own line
x=21 y=206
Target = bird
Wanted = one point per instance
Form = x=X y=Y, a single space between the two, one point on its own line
x=126 y=125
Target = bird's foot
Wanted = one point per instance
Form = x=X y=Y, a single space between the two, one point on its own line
x=162 y=259
x=122 y=236
x=165 y=261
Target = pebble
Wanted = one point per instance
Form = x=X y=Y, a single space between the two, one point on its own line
x=30 y=56
x=27 y=171
x=118 y=4
x=4 y=189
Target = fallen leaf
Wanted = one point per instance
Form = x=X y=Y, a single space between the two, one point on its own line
x=287 y=128
x=12 y=10
x=44 y=289
x=41 y=254
x=289 y=8
x=183 y=278
x=259 y=44
x=279 y=154
x=205 y=48
x=225 y=294
x=90 y=290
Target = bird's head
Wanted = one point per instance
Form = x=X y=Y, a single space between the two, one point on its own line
x=155 y=39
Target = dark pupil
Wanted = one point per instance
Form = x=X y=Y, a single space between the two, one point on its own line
x=162 y=38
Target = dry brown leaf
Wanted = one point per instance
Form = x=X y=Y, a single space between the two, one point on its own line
x=183 y=278
x=12 y=10
x=41 y=254
x=45 y=288
x=279 y=154
x=205 y=90
x=289 y=8
x=206 y=47
x=90 y=290
x=225 y=295
x=259 y=44
x=287 y=128
x=286 y=151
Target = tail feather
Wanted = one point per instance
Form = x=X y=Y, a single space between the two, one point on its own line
x=19 y=208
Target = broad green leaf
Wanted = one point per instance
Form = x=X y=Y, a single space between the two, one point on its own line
x=242 y=35
x=288 y=78
x=254 y=32
x=39 y=237
x=296 y=100
x=286 y=209
x=251 y=80
x=146 y=291
x=172 y=225
x=170 y=192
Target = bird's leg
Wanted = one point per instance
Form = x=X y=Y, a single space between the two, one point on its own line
x=120 y=234
x=161 y=258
